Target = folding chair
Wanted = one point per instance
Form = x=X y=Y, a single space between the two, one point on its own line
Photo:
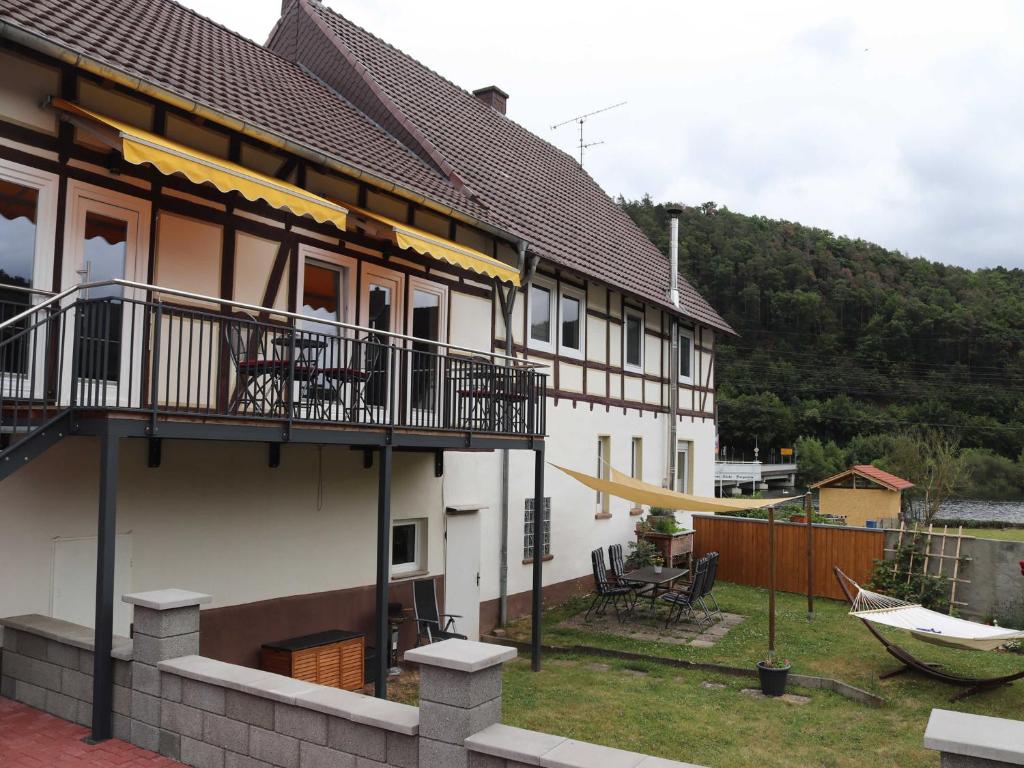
x=685 y=601
x=618 y=567
x=428 y=619
x=606 y=593
x=709 y=585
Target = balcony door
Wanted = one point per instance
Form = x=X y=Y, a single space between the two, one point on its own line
x=428 y=321
x=106 y=238
x=380 y=311
x=28 y=207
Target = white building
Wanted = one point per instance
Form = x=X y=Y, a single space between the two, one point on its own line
x=252 y=405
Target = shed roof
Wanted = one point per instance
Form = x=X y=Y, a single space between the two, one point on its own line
x=867 y=471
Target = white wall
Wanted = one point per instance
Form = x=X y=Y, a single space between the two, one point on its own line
x=214 y=518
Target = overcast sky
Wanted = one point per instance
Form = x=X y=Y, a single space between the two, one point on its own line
x=899 y=122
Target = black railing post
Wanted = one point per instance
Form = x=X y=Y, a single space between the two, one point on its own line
x=154 y=366
x=538 y=553
x=102 y=670
x=382 y=635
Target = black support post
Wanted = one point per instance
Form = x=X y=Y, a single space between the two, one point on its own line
x=102 y=670
x=383 y=641
x=538 y=551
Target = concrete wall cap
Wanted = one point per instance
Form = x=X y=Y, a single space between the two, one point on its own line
x=511 y=743
x=366 y=710
x=461 y=655
x=166 y=599
x=215 y=672
x=76 y=635
x=988 y=738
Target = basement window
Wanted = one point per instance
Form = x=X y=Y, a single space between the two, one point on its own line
x=408 y=545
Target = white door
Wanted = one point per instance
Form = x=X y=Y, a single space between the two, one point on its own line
x=73 y=583
x=462 y=571
x=380 y=310
x=106 y=238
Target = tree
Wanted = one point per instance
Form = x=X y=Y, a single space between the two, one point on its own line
x=816 y=460
x=934 y=462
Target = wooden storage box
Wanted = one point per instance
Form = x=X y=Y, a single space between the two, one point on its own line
x=333 y=658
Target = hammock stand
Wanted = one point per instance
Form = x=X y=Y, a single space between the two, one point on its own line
x=910 y=662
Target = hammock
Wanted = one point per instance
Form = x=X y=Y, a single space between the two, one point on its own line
x=930 y=626
x=872 y=608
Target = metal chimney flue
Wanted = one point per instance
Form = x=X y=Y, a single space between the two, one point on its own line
x=673 y=254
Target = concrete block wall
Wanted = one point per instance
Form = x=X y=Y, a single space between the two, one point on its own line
x=47 y=664
x=975 y=741
x=210 y=714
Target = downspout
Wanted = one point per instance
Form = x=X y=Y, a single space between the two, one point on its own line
x=673 y=347
x=526 y=275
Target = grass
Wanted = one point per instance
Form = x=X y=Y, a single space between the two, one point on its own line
x=666 y=712
x=1002 y=534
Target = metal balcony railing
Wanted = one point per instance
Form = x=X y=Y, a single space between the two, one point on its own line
x=120 y=345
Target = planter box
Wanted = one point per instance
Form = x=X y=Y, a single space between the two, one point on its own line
x=672 y=546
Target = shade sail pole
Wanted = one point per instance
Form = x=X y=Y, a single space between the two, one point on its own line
x=809 y=513
x=538 y=553
x=771 y=583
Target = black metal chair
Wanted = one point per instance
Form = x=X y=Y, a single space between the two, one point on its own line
x=618 y=568
x=428 y=619
x=709 y=585
x=605 y=592
x=686 y=601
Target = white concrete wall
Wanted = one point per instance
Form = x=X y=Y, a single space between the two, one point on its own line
x=213 y=517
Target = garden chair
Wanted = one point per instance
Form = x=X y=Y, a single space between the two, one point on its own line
x=618 y=567
x=686 y=601
x=428 y=619
x=605 y=592
x=709 y=585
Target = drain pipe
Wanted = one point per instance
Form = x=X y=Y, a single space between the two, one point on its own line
x=673 y=348
x=526 y=275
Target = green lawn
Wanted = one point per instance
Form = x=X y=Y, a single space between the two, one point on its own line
x=667 y=712
x=1003 y=534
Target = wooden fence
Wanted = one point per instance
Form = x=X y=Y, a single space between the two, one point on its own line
x=743 y=544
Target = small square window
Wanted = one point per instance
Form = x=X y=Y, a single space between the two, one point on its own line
x=407 y=546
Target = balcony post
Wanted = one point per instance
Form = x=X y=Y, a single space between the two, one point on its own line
x=538 y=551
x=102 y=672
x=383 y=640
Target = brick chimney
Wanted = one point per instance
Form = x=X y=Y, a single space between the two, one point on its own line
x=493 y=97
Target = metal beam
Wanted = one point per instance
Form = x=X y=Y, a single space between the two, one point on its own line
x=383 y=639
x=102 y=669
x=538 y=551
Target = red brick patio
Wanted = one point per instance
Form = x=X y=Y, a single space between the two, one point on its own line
x=30 y=738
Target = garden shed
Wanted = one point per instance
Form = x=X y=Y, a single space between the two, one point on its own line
x=861 y=494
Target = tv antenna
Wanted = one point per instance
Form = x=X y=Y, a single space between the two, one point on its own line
x=580 y=120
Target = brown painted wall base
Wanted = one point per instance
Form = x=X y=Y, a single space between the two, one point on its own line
x=519 y=604
x=235 y=633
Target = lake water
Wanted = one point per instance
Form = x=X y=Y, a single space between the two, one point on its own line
x=990 y=511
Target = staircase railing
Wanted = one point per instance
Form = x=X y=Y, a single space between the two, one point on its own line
x=121 y=345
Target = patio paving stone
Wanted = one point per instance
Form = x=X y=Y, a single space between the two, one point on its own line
x=645 y=627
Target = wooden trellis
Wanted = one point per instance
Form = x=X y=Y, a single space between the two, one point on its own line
x=926 y=556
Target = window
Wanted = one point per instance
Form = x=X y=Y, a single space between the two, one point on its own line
x=528 y=528
x=425 y=324
x=636 y=459
x=604 y=453
x=634 y=340
x=685 y=355
x=18 y=222
x=683 y=466
x=571 y=321
x=540 y=312
x=104 y=254
x=324 y=294
x=408 y=541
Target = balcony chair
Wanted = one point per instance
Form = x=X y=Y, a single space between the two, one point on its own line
x=346 y=383
x=709 y=585
x=258 y=384
x=428 y=619
x=607 y=593
x=686 y=601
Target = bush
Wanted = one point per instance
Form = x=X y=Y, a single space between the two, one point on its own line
x=928 y=590
x=641 y=554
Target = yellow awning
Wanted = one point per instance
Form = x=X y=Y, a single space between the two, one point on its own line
x=169 y=157
x=442 y=249
x=625 y=487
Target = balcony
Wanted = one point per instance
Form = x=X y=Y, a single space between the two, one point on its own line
x=170 y=357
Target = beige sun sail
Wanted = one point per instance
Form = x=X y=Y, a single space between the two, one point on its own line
x=626 y=487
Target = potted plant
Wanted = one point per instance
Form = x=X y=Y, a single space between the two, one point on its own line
x=661 y=529
x=657 y=561
x=773 y=673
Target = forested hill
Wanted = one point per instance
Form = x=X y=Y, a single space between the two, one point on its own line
x=840 y=337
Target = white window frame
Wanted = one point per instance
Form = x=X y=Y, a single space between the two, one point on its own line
x=684 y=447
x=331 y=259
x=419 y=564
x=441 y=291
x=636 y=458
x=46 y=185
x=604 y=458
x=553 y=325
x=576 y=294
x=626 y=314
x=686 y=333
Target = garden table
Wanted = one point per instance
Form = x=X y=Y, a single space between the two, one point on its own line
x=656 y=581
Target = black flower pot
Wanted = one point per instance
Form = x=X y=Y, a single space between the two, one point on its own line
x=773 y=679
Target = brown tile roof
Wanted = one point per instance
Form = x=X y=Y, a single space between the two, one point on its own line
x=424 y=133
x=889 y=480
x=527 y=184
